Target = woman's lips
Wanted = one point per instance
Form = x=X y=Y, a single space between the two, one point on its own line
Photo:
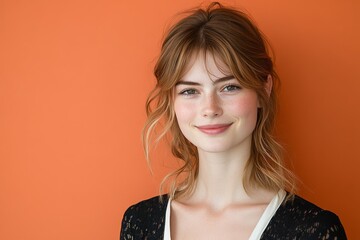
x=214 y=129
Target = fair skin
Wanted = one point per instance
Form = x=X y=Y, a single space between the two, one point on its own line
x=218 y=116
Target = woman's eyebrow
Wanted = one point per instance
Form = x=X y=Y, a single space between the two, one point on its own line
x=182 y=82
x=222 y=79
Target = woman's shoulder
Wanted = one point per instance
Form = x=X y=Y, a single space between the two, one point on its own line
x=151 y=205
x=145 y=218
x=302 y=219
x=305 y=210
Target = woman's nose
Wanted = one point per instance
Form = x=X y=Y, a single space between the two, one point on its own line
x=211 y=106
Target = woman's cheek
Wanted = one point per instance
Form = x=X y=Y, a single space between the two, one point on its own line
x=243 y=106
x=184 y=110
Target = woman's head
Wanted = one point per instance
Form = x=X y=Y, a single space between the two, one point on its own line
x=239 y=48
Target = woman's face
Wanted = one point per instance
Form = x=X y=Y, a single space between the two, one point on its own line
x=213 y=111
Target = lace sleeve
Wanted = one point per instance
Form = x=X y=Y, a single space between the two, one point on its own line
x=144 y=220
x=127 y=226
x=328 y=226
x=302 y=220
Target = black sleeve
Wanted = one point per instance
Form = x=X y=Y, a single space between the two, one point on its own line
x=302 y=220
x=329 y=226
x=128 y=227
x=144 y=220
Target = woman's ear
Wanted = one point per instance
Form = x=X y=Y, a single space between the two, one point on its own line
x=268 y=85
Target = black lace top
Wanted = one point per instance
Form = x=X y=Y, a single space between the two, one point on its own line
x=295 y=219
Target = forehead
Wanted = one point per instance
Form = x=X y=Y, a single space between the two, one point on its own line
x=205 y=65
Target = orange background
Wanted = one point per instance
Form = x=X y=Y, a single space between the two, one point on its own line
x=74 y=76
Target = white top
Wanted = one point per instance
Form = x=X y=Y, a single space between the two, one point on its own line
x=260 y=226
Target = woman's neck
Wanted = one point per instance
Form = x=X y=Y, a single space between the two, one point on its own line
x=220 y=180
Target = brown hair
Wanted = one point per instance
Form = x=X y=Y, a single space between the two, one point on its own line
x=231 y=36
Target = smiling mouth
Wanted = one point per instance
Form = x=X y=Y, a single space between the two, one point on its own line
x=214 y=129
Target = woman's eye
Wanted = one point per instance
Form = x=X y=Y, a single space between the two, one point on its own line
x=230 y=88
x=188 y=92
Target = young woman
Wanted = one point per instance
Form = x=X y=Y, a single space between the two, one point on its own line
x=215 y=94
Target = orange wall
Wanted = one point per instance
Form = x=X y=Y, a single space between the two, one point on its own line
x=74 y=76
